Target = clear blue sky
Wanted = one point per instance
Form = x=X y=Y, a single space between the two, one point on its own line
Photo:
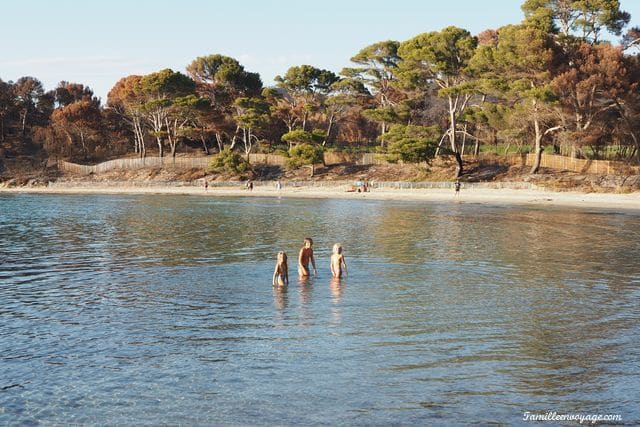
x=98 y=42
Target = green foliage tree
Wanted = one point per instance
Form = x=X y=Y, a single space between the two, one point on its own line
x=582 y=19
x=7 y=106
x=184 y=114
x=126 y=99
x=32 y=102
x=306 y=154
x=488 y=118
x=518 y=68
x=230 y=162
x=411 y=143
x=222 y=80
x=442 y=57
x=304 y=88
x=252 y=115
x=67 y=93
x=161 y=90
x=346 y=95
x=299 y=136
x=377 y=68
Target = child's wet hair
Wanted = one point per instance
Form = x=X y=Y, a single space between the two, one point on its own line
x=308 y=239
x=282 y=255
x=337 y=248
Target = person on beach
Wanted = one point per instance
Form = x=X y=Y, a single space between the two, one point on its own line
x=281 y=272
x=338 y=262
x=456 y=186
x=206 y=185
x=306 y=255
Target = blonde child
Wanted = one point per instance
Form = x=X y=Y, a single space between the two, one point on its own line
x=281 y=272
x=338 y=261
x=306 y=255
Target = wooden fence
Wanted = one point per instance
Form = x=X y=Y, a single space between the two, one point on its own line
x=161 y=162
x=331 y=158
x=565 y=163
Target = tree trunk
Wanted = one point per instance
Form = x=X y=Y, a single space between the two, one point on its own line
x=459 y=169
x=536 y=163
x=204 y=144
x=139 y=137
x=464 y=139
x=234 y=140
x=24 y=122
x=248 y=144
x=440 y=143
x=160 y=147
x=329 y=128
x=383 y=131
x=84 y=147
x=630 y=127
x=452 y=139
x=172 y=135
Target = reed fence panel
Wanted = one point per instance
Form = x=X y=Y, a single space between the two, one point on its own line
x=550 y=161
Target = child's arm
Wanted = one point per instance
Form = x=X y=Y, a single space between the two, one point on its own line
x=300 y=258
x=313 y=263
x=286 y=276
x=333 y=270
x=344 y=262
x=275 y=274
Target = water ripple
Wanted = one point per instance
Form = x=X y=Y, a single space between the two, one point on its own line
x=115 y=306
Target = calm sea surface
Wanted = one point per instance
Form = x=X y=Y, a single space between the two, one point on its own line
x=160 y=310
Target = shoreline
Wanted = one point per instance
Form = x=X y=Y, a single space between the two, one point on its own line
x=486 y=196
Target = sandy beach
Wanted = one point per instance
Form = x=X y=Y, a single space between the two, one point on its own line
x=608 y=201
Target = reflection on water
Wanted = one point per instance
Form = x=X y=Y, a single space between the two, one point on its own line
x=159 y=309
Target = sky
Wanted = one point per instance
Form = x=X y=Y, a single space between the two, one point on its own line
x=98 y=42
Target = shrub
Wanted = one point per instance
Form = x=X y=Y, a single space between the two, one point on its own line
x=305 y=154
x=229 y=161
x=411 y=143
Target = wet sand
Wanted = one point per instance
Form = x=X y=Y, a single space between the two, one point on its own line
x=609 y=201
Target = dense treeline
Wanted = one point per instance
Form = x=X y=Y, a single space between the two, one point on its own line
x=549 y=81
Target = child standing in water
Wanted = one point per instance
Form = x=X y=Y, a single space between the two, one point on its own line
x=338 y=261
x=281 y=272
x=306 y=254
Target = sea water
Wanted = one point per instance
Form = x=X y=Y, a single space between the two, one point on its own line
x=160 y=310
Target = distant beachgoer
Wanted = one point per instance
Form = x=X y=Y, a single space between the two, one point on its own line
x=249 y=185
x=338 y=261
x=206 y=185
x=306 y=255
x=457 y=187
x=278 y=185
x=281 y=272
